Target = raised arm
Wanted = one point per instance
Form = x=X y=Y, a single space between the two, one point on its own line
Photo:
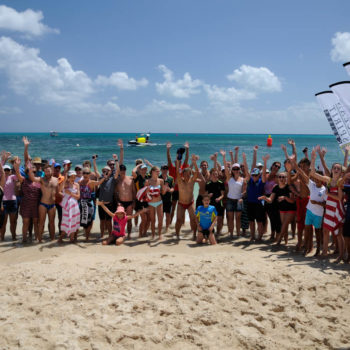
x=294 y=149
x=346 y=155
x=135 y=170
x=26 y=145
x=95 y=166
x=284 y=149
x=16 y=165
x=121 y=151
x=148 y=163
x=5 y=156
x=117 y=170
x=302 y=174
x=227 y=173
x=31 y=174
x=187 y=154
x=231 y=156
x=236 y=154
x=313 y=170
x=255 y=155
x=168 y=147
x=265 y=159
x=322 y=153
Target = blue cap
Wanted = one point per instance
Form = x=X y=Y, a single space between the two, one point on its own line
x=255 y=171
x=58 y=165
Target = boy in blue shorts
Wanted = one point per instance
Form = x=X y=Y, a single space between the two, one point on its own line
x=206 y=217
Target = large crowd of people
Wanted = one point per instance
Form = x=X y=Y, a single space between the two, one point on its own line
x=300 y=199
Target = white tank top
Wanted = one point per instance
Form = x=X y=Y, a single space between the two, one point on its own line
x=235 y=188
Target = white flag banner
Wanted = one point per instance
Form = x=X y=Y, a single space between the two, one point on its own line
x=342 y=90
x=337 y=116
x=347 y=67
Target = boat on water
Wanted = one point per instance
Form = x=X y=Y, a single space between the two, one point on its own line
x=140 y=140
x=53 y=133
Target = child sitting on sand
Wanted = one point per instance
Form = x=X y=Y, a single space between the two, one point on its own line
x=120 y=220
x=206 y=217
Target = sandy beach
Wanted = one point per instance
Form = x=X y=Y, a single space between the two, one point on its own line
x=172 y=295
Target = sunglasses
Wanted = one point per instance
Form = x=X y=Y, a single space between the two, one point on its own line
x=277 y=166
x=86 y=173
x=255 y=175
x=7 y=169
x=282 y=177
x=111 y=164
x=105 y=172
x=235 y=169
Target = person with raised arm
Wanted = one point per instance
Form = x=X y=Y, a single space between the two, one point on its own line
x=334 y=213
x=29 y=209
x=285 y=203
x=106 y=195
x=70 y=190
x=236 y=188
x=315 y=208
x=140 y=176
x=186 y=183
x=255 y=189
x=49 y=189
x=166 y=197
x=302 y=193
x=172 y=172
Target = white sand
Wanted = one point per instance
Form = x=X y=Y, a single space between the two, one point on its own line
x=167 y=295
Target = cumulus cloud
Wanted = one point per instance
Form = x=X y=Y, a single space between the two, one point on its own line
x=229 y=95
x=182 y=88
x=258 y=79
x=29 y=75
x=121 y=81
x=28 y=22
x=341 y=47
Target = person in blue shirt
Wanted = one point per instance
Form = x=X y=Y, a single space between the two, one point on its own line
x=206 y=217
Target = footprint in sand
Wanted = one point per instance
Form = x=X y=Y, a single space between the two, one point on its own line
x=278 y=308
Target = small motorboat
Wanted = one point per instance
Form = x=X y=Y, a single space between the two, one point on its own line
x=140 y=140
x=53 y=133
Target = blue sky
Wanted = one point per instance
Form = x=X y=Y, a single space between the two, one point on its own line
x=170 y=66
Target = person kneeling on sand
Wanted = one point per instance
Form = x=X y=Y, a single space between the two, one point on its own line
x=206 y=217
x=120 y=220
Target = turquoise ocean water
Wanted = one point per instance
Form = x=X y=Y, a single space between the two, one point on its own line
x=65 y=146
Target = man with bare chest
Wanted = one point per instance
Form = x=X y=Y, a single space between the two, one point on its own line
x=186 y=183
x=203 y=178
x=49 y=189
x=126 y=193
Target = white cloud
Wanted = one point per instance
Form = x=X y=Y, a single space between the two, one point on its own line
x=227 y=95
x=258 y=79
x=341 y=47
x=29 y=75
x=161 y=105
x=182 y=88
x=27 y=22
x=121 y=81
